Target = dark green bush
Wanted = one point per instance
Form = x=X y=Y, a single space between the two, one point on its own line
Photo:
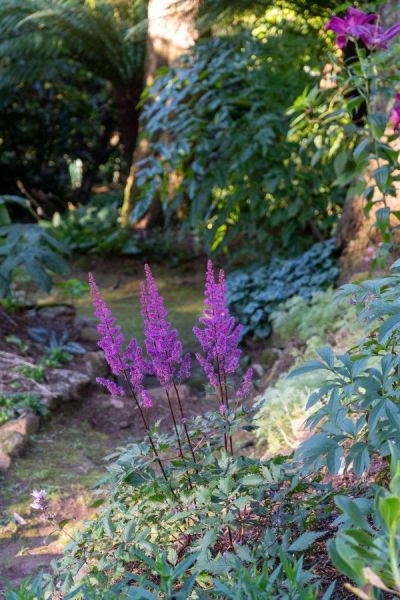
x=94 y=227
x=253 y=295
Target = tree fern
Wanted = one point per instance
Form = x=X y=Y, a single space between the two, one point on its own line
x=107 y=38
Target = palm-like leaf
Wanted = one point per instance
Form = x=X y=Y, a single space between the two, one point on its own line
x=105 y=39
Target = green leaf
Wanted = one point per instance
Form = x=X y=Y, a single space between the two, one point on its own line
x=306 y=540
x=389 y=508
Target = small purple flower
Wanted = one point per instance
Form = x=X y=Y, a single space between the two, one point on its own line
x=359 y=25
x=39 y=499
x=353 y=25
x=222 y=409
x=395 y=114
x=245 y=387
x=113 y=389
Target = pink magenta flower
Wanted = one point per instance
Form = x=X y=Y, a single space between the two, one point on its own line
x=162 y=344
x=395 y=114
x=359 y=25
x=121 y=362
x=353 y=25
x=111 y=337
x=377 y=37
x=220 y=336
x=39 y=499
x=222 y=409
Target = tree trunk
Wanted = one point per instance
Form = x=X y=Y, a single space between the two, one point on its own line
x=100 y=154
x=171 y=32
x=125 y=101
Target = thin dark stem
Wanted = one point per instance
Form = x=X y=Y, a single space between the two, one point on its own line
x=230 y=538
x=183 y=422
x=227 y=406
x=223 y=401
x=148 y=432
x=174 y=422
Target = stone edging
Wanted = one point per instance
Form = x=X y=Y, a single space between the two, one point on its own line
x=62 y=385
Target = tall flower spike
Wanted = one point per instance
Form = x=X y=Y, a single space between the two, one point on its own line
x=111 y=337
x=113 y=388
x=131 y=361
x=220 y=336
x=162 y=344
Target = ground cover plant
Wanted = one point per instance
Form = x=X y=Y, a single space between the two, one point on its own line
x=255 y=294
x=281 y=407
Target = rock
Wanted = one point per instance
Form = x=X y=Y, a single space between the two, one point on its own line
x=53 y=312
x=9 y=360
x=88 y=334
x=11 y=442
x=50 y=401
x=65 y=384
x=26 y=425
x=82 y=322
x=96 y=365
x=5 y=461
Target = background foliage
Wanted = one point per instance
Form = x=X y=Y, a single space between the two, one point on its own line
x=223 y=157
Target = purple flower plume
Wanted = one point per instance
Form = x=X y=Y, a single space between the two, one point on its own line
x=39 y=499
x=220 y=336
x=162 y=344
x=358 y=25
x=121 y=362
x=137 y=366
x=111 y=337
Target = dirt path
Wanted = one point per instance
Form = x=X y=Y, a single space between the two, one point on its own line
x=65 y=458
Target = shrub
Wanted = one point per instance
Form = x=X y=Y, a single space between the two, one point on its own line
x=94 y=227
x=323 y=314
x=281 y=407
x=254 y=295
x=240 y=181
x=281 y=413
x=366 y=548
x=358 y=405
x=29 y=246
x=219 y=531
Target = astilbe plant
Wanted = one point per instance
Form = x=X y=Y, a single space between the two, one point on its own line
x=181 y=508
